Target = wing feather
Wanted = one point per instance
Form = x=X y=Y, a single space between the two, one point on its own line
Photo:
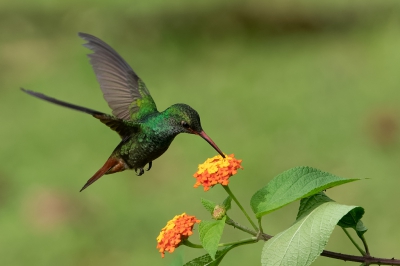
x=123 y=90
x=122 y=127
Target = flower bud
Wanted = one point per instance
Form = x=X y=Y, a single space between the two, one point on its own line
x=219 y=212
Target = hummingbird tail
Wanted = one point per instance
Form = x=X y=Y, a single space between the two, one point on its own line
x=62 y=103
x=112 y=165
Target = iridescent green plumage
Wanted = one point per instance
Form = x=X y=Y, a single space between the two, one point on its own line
x=146 y=133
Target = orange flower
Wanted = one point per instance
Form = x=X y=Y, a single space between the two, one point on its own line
x=216 y=170
x=176 y=230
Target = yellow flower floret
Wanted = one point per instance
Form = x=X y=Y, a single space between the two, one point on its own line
x=176 y=230
x=216 y=170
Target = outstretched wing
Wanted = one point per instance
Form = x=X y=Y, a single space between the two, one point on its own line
x=123 y=128
x=124 y=91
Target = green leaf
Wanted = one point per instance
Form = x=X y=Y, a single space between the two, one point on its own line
x=227 y=203
x=178 y=260
x=291 y=185
x=210 y=235
x=208 y=204
x=206 y=260
x=303 y=242
x=351 y=219
x=310 y=203
x=361 y=228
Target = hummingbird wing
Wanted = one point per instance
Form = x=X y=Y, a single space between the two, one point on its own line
x=123 y=128
x=124 y=91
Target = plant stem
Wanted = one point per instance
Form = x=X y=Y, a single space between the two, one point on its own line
x=368 y=260
x=260 y=225
x=354 y=242
x=241 y=242
x=227 y=189
x=190 y=244
x=365 y=244
x=240 y=227
x=247 y=240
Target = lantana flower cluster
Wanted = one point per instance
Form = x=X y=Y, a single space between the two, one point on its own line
x=216 y=170
x=176 y=230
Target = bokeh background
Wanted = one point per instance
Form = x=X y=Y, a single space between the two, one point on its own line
x=278 y=83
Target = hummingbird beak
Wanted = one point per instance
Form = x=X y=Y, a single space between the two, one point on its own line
x=209 y=140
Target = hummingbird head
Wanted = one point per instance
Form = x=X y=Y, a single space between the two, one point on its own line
x=186 y=120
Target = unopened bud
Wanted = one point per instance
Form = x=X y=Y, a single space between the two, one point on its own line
x=218 y=212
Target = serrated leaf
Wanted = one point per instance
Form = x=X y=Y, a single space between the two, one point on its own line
x=206 y=260
x=303 y=242
x=227 y=203
x=199 y=261
x=208 y=205
x=351 y=219
x=292 y=185
x=210 y=235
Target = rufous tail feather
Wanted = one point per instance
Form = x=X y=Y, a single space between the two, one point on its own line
x=112 y=165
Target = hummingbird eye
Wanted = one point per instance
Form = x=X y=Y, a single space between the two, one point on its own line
x=184 y=124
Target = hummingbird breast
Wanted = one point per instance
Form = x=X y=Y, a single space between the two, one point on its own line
x=144 y=147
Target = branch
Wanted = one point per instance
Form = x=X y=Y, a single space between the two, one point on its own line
x=366 y=259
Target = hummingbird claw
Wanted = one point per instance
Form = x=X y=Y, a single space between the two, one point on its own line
x=150 y=165
x=139 y=171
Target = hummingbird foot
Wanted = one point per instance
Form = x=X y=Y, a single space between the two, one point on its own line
x=150 y=165
x=139 y=171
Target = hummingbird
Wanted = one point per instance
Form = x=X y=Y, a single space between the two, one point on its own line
x=146 y=133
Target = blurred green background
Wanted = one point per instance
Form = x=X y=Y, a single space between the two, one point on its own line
x=278 y=83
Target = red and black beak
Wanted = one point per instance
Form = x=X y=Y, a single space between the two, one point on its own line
x=210 y=141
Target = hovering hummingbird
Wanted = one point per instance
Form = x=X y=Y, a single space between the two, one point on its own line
x=146 y=133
